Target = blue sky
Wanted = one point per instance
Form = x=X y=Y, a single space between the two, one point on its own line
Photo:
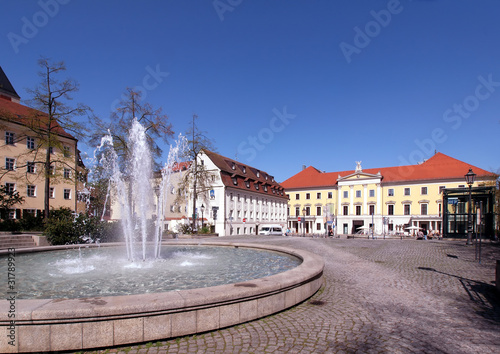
x=281 y=84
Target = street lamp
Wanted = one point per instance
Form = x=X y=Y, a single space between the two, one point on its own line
x=469 y=178
x=202 y=210
x=304 y=223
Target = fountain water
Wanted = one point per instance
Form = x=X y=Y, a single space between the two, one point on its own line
x=135 y=197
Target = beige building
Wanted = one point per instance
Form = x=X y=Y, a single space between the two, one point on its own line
x=385 y=201
x=22 y=156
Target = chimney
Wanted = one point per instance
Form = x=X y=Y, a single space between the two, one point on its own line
x=303 y=167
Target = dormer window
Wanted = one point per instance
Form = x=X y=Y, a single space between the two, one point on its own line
x=265 y=188
x=265 y=177
x=233 y=166
x=256 y=186
x=258 y=173
x=247 y=183
x=235 y=181
x=244 y=169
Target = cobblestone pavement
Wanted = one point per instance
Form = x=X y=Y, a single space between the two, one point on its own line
x=396 y=296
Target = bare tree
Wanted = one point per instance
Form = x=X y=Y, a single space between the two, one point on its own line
x=197 y=179
x=131 y=107
x=51 y=119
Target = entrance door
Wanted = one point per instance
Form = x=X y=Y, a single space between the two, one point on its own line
x=356 y=224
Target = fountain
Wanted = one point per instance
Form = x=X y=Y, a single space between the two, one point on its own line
x=62 y=322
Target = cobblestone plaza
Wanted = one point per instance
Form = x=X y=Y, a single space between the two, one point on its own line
x=396 y=296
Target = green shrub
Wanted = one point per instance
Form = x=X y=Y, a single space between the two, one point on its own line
x=64 y=227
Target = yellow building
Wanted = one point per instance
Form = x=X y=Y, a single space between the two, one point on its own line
x=22 y=153
x=385 y=201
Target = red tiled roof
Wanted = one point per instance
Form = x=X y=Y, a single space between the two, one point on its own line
x=18 y=113
x=438 y=167
x=247 y=178
x=181 y=166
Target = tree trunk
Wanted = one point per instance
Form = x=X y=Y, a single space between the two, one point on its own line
x=46 y=202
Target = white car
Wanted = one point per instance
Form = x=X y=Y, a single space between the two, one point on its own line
x=271 y=230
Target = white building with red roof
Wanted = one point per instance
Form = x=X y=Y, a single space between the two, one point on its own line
x=385 y=201
x=245 y=197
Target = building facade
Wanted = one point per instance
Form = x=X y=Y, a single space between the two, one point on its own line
x=22 y=156
x=390 y=200
x=236 y=199
x=243 y=197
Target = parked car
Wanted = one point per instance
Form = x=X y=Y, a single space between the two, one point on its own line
x=271 y=230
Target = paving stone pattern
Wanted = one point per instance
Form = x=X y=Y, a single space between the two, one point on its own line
x=379 y=296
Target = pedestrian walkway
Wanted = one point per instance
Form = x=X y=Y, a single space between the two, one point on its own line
x=396 y=296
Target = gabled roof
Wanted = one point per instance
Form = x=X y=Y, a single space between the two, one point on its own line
x=6 y=87
x=17 y=113
x=235 y=174
x=438 y=167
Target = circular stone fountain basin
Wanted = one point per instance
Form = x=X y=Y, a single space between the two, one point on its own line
x=95 y=322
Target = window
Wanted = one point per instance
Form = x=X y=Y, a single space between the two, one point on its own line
x=52 y=193
x=318 y=195
x=30 y=167
x=10 y=188
x=318 y=226
x=372 y=193
x=407 y=210
x=358 y=209
x=330 y=195
x=308 y=195
x=346 y=194
x=67 y=151
x=67 y=194
x=9 y=138
x=423 y=209
x=358 y=194
x=30 y=143
x=372 y=209
x=9 y=163
x=297 y=211
x=407 y=191
x=439 y=209
x=318 y=211
x=390 y=209
x=297 y=196
x=390 y=192
x=346 y=210
x=423 y=190
x=51 y=150
x=308 y=211
x=67 y=173
x=52 y=170
x=31 y=191
x=441 y=188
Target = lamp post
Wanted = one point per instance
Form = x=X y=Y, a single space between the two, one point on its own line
x=304 y=222
x=469 y=178
x=202 y=210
